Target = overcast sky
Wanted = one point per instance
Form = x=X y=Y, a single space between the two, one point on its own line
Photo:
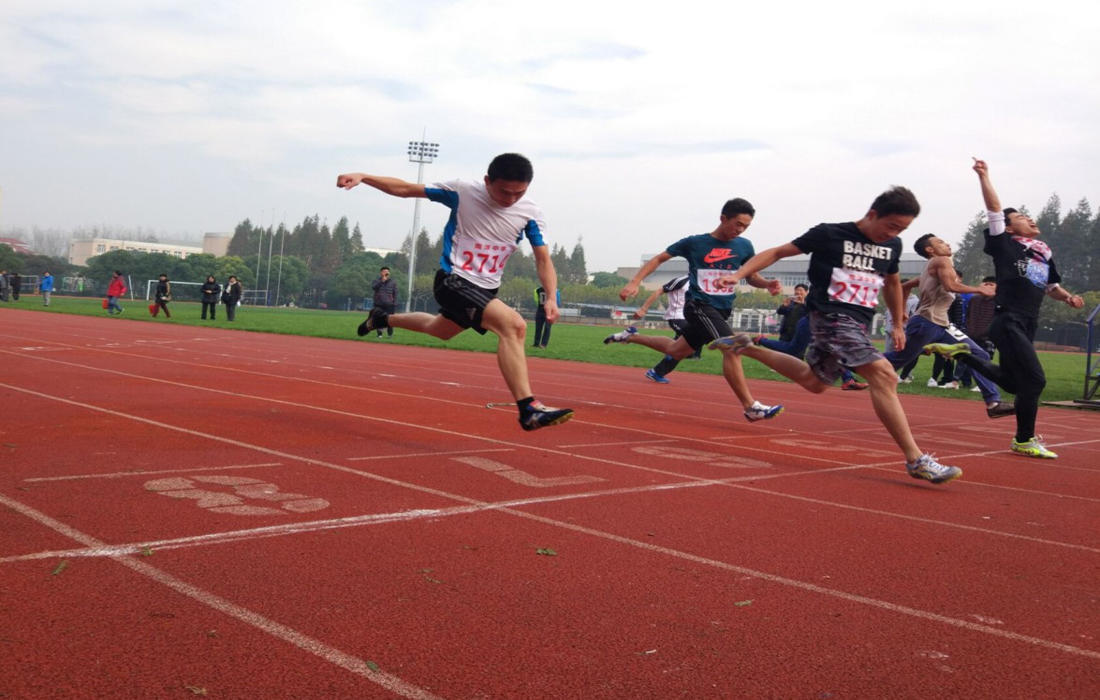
x=641 y=118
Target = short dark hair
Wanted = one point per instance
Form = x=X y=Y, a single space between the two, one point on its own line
x=1008 y=211
x=802 y=285
x=737 y=206
x=512 y=167
x=989 y=278
x=896 y=200
x=384 y=267
x=921 y=245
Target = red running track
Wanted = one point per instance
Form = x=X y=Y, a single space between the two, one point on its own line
x=189 y=511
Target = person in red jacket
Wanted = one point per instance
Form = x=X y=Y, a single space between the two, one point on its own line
x=115 y=290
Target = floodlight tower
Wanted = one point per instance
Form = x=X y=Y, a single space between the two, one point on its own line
x=420 y=152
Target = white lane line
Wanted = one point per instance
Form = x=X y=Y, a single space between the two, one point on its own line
x=451 y=496
x=275 y=629
x=429 y=454
x=334 y=524
x=121 y=475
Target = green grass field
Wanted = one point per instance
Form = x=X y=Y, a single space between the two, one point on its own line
x=569 y=341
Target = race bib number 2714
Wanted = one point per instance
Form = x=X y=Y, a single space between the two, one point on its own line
x=851 y=287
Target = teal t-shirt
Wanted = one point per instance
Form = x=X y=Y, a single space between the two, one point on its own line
x=709 y=259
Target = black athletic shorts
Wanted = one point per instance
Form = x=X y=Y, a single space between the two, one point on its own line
x=704 y=324
x=461 y=301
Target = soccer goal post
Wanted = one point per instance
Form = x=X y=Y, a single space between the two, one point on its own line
x=181 y=291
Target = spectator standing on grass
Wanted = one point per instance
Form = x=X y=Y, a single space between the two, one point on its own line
x=709 y=305
x=45 y=286
x=793 y=309
x=1025 y=271
x=5 y=286
x=385 y=296
x=231 y=297
x=162 y=296
x=850 y=263
x=16 y=284
x=676 y=289
x=115 y=289
x=542 y=325
x=210 y=292
x=488 y=221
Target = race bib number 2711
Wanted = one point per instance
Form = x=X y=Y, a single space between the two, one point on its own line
x=852 y=287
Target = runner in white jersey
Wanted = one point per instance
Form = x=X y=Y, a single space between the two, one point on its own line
x=488 y=221
x=676 y=291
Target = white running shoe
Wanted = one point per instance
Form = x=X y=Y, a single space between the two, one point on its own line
x=733 y=343
x=622 y=336
x=759 y=411
x=932 y=383
x=926 y=467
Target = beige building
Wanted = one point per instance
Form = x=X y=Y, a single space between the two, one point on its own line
x=215 y=244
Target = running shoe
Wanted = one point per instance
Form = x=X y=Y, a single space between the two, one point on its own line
x=1000 y=409
x=538 y=416
x=905 y=380
x=853 y=385
x=926 y=467
x=377 y=318
x=948 y=350
x=622 y=336
x=949 y=385
x=653 y=376
x=733 y=343
x=1033 y=448
x=759 y=411
x=976 y=388
x=932 y=383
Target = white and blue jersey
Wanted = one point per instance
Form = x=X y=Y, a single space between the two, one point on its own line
x=481 y=235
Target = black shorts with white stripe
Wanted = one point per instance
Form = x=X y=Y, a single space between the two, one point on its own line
x=462 y=301
x=704 y=323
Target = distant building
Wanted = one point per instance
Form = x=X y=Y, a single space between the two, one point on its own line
x=215 y=244
x=789 y=271
x=17 y=245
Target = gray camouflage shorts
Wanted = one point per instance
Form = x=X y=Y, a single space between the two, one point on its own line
x=839 y=341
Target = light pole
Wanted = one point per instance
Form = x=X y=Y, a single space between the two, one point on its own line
x=419 y=152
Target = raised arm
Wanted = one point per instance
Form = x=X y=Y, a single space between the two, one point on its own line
x=631 y=287
x=989 y=195
x=390 y=185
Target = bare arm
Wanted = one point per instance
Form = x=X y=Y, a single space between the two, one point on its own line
x=631 y=287
x=944 y=271
x=544 y=266
x=895 y=302
x=1056 y=292
x=760 y=282
x=989 y=195
x=390 y=185
x=907 y=285
x=640 y=313
x=760 y=261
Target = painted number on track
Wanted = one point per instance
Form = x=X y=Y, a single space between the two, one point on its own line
x=523 y=478
x=714 y=459
x=232 y=500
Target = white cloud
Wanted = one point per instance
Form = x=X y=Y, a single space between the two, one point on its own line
x=641 y=120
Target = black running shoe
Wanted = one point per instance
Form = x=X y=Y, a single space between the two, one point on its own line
x=377 y=318
x=539 y=416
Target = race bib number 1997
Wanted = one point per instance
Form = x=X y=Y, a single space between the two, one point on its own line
x=852 y=287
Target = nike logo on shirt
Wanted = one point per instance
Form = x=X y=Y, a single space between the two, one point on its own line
x=718 y=255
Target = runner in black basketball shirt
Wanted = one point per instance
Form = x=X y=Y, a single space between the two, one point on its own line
x=708 y=306
x=849 y=264
x=1025 y=272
